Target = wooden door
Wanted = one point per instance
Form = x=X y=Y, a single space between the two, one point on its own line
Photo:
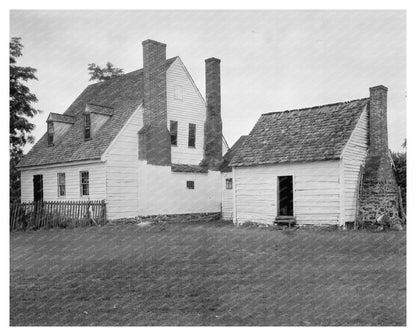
x=38 y=188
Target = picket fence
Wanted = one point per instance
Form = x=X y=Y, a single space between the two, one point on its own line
x=37 y=215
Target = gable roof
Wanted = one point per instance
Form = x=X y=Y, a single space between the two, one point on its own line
x=225 y=165
x=123 y=94
x=309 y=134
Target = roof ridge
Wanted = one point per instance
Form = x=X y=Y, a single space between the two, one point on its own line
x=130 y=72
x=315 y=107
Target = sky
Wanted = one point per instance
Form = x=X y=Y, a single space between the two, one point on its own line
x=270 y=60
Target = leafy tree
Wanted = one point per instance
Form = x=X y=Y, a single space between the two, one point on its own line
x=21 y=100
x=400 y=163
x=101 y=74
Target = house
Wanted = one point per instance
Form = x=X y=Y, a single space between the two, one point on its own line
x=146 y=142
x=305 y=165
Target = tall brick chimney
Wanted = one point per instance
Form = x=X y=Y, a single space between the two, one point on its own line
x=156 y=134
x=380 y=190
x=213 y=122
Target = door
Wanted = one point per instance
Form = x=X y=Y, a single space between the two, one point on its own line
x=37 y=188
x=285 y=196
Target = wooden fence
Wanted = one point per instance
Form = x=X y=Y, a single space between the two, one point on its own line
x=36 y=215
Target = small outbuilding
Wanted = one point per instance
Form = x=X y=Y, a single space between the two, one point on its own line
x=324 y=165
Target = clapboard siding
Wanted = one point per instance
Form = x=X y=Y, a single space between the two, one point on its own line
x=227 y=198
x=122 y=170
x=190 y=109
x=164 y=192
x=316 y=192
x=353 y=156
x=72 y=182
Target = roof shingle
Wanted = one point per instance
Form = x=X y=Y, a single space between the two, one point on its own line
x=310 y=134
x=123 y=94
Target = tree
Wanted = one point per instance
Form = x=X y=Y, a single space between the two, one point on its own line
x=400 y=163
x=21 y=100
x=101 y=74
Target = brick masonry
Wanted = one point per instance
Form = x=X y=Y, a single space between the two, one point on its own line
x=213 y=123
x=157 y=137
x=380 y=190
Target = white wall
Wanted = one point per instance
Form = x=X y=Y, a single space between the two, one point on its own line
x=354 y=155
x=164 y=192
x=122 y=170
x=191 y=109
x=316 y=192
x=72 y=181
x=227 y=198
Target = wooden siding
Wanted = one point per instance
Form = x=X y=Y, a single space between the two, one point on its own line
x=316 y=192
x=72 y=182
x=122 y=170
x=189 y=109
x=227 y=198
x=60 y=129
x=164 y=192
x=97 y=121
x=353 y=156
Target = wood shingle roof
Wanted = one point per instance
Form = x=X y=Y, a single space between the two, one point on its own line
x=309 y=134
x=122 y=94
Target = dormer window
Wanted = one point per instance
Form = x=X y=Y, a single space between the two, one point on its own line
x=87 y=126
x=50 y=133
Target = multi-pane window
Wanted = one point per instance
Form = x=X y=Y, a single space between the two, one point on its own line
x=87 y=126
x=61 y=184
x=174 y=133
x=191 y=135
x=178 y=92
x=85 y=183
x=190 y=184
x=50 y=133
x=229 y=183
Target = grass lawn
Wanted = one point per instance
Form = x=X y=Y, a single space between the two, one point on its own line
x=206 y=274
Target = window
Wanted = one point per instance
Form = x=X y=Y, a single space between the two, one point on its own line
x=85 y=183
x=229 y=183
x=174 y=133
x=61 y=184
x=87 y=126
x=191 y=135
x=190 y=184
x=50 y=133
x=178 y=92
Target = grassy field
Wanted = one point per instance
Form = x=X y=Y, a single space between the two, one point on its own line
x=206 y=274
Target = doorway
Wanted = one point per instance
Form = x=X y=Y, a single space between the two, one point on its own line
x=37 y=188
x=285 y=196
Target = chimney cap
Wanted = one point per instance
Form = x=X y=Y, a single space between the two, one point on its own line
x=212 y=59
x=378 y=87
x=153 y=42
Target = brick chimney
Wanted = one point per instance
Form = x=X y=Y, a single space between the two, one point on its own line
x=213 y=122
x=155 y=134
x=380 y=190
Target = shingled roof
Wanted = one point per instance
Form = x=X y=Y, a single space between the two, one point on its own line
x=225 y=165
x=309 y=134
x=123 y=94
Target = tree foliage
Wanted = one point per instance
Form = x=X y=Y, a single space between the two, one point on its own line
x=103 y=73
x=21 y=108
x=400 y=163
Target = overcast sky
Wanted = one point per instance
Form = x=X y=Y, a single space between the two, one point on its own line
x=270 y=60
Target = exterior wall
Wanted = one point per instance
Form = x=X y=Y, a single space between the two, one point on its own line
x=121 y=169
x=227 y=198
x=72 y=182
x=316 y=192
x=191 y=109
x=353 y=157
x=97 y=121
x=164 y=192
x=59 y=130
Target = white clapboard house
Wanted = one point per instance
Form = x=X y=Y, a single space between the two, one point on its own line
x=305 y=164
x=146 y=142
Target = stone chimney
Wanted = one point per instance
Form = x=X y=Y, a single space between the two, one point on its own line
x=155 y=134
x=213 y=122
x=379 y=190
